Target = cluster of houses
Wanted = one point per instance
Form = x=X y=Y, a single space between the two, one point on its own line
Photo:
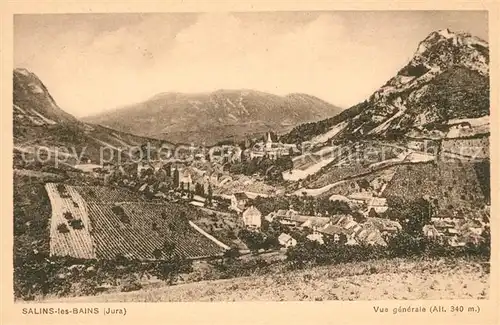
x=459 y=231
x=338 y=227
x=225 y=154
x=371 y=230
x=233 y=153
x=363 y=198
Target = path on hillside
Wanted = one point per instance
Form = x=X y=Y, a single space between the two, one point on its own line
x=325 y=188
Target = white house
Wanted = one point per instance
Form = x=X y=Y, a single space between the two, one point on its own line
x=252 y=217
x=270 y=217
x=338 y=197
x=238 y=201
x=379 y=204
x=316 y=237
x=430 y=231
x=286 y=240
x=185 y=181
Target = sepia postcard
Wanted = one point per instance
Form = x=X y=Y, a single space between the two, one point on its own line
x=249 y=164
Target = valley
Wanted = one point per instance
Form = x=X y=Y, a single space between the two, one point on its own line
x=286 y=190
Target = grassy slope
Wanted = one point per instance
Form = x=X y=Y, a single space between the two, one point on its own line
x=67 y=134
x=31 y=215
x=88 y=141
x=382 y=279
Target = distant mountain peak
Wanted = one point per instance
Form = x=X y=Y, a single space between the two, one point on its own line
x=30 y=94
x=445 y=32
x=223 y=114
x=447 y=78
x=23 y=71
x=443 y=49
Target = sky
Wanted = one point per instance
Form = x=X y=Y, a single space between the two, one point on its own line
x=96 y=62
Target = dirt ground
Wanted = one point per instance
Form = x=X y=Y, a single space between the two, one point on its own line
x=385 y=279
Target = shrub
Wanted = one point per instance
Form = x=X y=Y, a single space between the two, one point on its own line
x=118 y=211
x=125 y=219
x=157 y=253
x=236 y=268
x=61 y=189
x=130 y=284
x=253 y=239
x=37 y=274
x=76 y=224
x=68 y=215
x=169 y=269
x=405 y=245
x=414 y=71
x=63 y=228
x=88 y=287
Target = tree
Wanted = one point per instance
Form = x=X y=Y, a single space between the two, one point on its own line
x=485 y=245
x=176 y=178
x=412 y=215
x=284 y=163
x=358 y=217
x=171 y=265
x=372 y=213
x=253 y=239
x=342 y=239
x=230 y=255
x=198 y=189
x=364 y=184
x=419 y=215
x=210 y=194
x=168 y=169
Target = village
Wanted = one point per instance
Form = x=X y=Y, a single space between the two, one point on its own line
x=205 y=183
x=251 y=156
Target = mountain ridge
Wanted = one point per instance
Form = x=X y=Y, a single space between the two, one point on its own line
x=215 y=116
x=38 y=122
x=447 y=78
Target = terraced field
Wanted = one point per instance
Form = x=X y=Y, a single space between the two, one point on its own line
x=117 y=222
x=104 y=194
x=75 y=242
x=150 y=226
x=475 y=148
x=377 y=182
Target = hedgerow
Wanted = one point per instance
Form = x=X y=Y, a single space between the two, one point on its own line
x=40 y=275
x=404 y=245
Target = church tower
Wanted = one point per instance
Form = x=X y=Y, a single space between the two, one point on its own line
x=269 y=141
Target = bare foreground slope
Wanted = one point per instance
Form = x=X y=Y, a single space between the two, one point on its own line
x=373 y=280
